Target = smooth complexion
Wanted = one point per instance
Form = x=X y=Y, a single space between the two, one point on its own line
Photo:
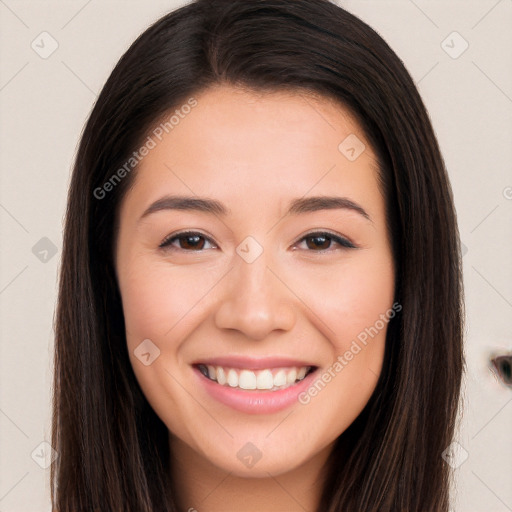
x=303 y=298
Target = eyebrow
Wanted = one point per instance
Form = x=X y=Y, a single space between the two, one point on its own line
x=211 y=206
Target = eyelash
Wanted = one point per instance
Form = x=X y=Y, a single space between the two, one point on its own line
x=341 y=241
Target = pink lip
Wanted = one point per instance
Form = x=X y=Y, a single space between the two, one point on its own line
x=252 y=363
x=255 y=401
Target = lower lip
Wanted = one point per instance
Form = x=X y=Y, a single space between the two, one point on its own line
x=255 y=401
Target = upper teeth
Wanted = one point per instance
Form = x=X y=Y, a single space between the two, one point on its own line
x=275 y=378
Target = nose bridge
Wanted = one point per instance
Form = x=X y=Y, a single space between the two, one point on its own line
x=255 y=302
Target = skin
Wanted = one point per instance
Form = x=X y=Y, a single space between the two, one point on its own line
x=254 y=152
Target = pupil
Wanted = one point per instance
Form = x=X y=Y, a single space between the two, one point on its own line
x=318 y=241
x=196 y=240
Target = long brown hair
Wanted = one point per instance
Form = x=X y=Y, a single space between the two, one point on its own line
x=113 y=449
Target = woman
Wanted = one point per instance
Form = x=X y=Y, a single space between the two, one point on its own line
x=260 y=302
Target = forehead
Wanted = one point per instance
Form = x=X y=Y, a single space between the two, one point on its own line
x=238 y=144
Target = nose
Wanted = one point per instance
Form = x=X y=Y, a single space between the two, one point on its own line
x=255 y=301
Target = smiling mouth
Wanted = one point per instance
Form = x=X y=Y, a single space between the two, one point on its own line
x=268 y=379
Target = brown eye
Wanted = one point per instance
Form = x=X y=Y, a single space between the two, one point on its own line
x=191 y=242
x=318 y=242
x=186 y=241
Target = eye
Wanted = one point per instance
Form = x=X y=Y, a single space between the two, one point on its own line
x=188 y=241
x=192 y=241
x=321 y=241
x=502 y=365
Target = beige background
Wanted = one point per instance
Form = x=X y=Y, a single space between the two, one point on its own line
x=44 y=103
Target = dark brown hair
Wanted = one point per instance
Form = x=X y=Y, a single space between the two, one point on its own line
x=113 y=449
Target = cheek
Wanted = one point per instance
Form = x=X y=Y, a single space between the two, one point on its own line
x=351 y=297
x=157 y=298
x=158 y=305
x=363 y=314
x=367 y=295
x=355 y=304
x=145 y=308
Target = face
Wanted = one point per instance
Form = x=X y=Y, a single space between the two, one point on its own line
x=255 y=314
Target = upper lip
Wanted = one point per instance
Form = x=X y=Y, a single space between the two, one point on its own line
x=252 y=363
